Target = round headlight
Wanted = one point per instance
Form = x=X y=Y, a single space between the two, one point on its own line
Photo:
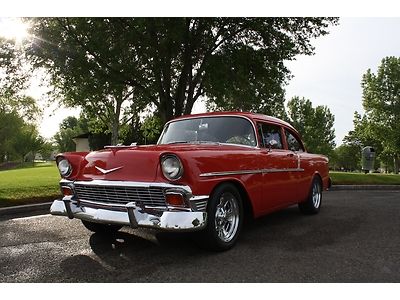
x=64 y=167
x=172 y=167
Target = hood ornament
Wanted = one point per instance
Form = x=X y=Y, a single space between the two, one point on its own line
x=108 y=171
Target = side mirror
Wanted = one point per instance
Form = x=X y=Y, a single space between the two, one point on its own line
x=272 y=144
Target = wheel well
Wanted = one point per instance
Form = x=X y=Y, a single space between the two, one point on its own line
x=247 y=206
x=316 y=175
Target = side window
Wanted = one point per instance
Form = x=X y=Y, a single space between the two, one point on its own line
x=293 y=143
x=270 y=135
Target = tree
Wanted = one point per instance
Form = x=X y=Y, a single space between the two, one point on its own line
x=18 y=112
x=106 y=65
x=64 y=137
x=10 y=125
x=151 y=129
x=314 y=124
x=72 y=126
x=28 y=141
x=362 y=135
x=13 y=76
x=381 y=102
x=346 y=157
x=17 y=116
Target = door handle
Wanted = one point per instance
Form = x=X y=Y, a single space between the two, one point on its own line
x=290 y=154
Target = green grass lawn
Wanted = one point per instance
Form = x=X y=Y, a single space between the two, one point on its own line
x=363 y=179
x=29 y=185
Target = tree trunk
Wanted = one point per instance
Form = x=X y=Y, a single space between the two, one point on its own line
x=166 y=109
x=115 y=121
x=396 y=164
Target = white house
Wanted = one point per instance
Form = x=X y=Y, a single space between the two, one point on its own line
x=82 y=142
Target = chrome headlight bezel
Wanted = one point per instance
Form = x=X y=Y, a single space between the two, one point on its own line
x=64 y=167
x=171 y=167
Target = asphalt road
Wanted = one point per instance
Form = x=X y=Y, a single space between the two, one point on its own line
x=355 y=238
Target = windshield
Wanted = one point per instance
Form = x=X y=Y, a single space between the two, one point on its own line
x=229 y=130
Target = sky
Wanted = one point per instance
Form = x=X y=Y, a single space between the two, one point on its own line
x=331 y=77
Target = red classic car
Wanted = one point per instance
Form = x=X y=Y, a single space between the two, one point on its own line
x=206 y=173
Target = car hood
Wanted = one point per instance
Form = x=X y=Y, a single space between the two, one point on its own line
x=141 y=163
x=134 y=164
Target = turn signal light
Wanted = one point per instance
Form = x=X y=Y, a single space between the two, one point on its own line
x=175 y=199
x=66 y=191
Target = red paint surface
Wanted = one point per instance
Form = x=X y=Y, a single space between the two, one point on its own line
x=266 y=191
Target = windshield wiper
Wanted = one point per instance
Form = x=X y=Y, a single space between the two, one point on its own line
x=193 y=142
x=177 y=142
x=207 y=142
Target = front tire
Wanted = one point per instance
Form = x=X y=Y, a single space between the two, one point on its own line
x=225 y=219
x=313 y=203
x=101 y=228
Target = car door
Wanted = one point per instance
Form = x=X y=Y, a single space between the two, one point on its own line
x=276 y=163
x=300 y=180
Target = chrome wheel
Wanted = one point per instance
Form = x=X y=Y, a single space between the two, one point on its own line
x=312 y=204
x=227 y=217
x=224 y=219
x=316 y=195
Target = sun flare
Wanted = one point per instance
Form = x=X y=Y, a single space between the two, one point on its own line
x=13 y=29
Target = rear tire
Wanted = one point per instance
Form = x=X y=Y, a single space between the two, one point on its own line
x=313 y=203
x=224 y=219
x=101 y=228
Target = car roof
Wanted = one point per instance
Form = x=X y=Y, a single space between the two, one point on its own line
x=250 y=115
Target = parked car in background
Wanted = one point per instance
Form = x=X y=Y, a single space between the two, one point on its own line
x=206 y=174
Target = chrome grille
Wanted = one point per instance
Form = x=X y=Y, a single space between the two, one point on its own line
x=143 y=196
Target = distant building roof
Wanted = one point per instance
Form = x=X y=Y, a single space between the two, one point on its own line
x=82 y=136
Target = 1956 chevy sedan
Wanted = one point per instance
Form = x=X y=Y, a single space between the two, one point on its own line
x=206 y=173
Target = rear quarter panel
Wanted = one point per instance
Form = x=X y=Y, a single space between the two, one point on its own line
x=315 y=164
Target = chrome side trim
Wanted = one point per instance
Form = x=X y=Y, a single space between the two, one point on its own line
x=283 y=170
x=242 y=172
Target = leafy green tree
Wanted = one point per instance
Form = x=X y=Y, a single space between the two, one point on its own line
x=314 y=124
x=17 y=137
x=346 y=157
x=72 y=126
x=362 y=135
x=151 y=129
x=47 y=150
x=381 y=102
x=68 y=129
x=10 y=126
x=28 y=141
x=14 y=77
x=64 y=140
x=106 y=65
x=18 y=112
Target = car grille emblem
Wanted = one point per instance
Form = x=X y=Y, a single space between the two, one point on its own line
x=108 y=171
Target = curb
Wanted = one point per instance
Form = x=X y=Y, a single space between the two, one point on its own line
x=364 y=187
x=24 y=209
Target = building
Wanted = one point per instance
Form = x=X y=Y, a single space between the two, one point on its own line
x=82 y=142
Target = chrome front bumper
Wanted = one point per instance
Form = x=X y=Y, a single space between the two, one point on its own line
x=133 y=216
